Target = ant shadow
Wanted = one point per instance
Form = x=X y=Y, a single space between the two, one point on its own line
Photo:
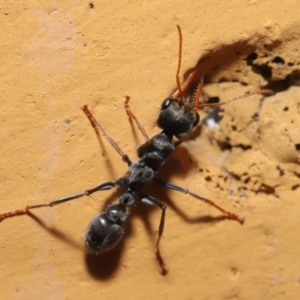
x=55 y=232
x=99 y=266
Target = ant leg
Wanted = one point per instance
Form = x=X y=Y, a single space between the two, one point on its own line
x=199 y=197
x=132 y=116
x=97 y=126
x=151 y=201
x=179 y=142
x=101 y=187
x=262 y=92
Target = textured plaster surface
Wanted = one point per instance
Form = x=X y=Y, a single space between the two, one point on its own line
x=59 y=55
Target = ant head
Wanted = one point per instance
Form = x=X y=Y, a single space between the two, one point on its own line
x=177 y=118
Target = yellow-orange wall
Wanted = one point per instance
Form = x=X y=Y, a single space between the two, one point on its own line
x=57 y=57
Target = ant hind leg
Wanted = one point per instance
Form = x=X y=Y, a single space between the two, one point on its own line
x=151 y=201
x=171 y=186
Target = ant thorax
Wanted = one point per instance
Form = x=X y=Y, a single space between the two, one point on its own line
x=157 y=150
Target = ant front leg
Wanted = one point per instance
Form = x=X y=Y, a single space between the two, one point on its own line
x=180 y=89
x=171 y=186
x=132 y=116
x=98 y=127
x=151 y=201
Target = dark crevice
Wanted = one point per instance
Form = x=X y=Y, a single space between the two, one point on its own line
x=280 y=85
x=213 y=100
x=260 y=63
x=267 y=189
x=278 y=60
x=297 y=174
x=295 y=77
x=264 y=70
x=231 y=174
x=243 y=147
x=224 y=145
x=208 y=178
x=247 y=180
x=263 y=188
x=250 y=58
x=280 y=170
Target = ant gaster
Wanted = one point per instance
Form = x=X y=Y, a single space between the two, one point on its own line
x=177 y=117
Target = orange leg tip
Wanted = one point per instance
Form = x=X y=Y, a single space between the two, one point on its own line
x=241 y=220
x=267 y=92
x=164 y=272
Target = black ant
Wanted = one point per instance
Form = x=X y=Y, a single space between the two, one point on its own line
x=177 y=117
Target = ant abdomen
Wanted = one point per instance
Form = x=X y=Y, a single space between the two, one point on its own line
x=106 y=229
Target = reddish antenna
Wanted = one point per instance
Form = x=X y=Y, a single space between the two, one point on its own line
x=179 y=64
x=261 y=92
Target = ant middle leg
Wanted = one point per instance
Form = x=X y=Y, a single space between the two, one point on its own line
x=151 y=201
x=132 y=116
x=171 y=186
x=101 y=187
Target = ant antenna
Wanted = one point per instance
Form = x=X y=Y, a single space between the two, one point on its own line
x=179 y=63
x=248 y=94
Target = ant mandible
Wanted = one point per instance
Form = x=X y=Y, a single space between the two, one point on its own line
x=177 y=118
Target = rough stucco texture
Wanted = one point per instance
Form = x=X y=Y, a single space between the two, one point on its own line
x=57 y=57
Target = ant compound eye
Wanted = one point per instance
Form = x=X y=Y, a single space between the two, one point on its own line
x=197 y=120
x=166 y=103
